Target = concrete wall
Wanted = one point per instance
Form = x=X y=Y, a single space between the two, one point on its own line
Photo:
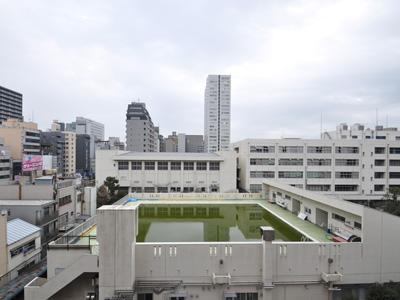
x=3 y=242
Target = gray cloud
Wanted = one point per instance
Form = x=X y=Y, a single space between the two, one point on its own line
x=290 y=61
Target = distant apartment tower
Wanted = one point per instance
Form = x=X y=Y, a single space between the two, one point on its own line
x=87 y=126
x=10 y=105
x=217 y=113
x=70 y=153
x=53 y=143
x=360 y=132
x=140 y=133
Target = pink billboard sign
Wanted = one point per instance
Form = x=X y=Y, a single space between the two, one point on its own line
x=32 y=163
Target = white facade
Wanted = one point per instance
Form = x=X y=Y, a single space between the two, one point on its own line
x=350 y=168
x=87 y=126
x=267 y=269
x=5 y=163
x=217 y=113
x=23 y=246
x=360 y=132
x=168 y=172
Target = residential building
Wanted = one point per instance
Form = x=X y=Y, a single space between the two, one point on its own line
x=96 y=132
x=353 y=169
x=113 y=143
x=57 y=126
x=22 y=138
x=69 y=153
x=22 y=248
x=217 y=113
x=171 y=142
x=53 y=143
x=83 y=154
x=5 y=163
x=168 y=172
x=10 y=105
x=41 y=213
x=182 y=142
x=358 y=131
x=218 y=246
x=140 y=133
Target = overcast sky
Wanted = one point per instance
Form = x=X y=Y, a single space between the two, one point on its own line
x=290 y=61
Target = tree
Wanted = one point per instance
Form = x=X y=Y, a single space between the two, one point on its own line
x=391 y=203
x=103 y=197
x=112 y=185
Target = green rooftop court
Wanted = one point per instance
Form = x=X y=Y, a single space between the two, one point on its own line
x=198 y=218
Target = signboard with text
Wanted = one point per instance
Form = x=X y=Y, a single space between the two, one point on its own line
x=32 y=163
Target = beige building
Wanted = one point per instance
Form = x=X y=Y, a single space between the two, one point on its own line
x=21 y=138
x=69 y=156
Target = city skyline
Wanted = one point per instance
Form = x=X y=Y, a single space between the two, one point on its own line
x=289 y=62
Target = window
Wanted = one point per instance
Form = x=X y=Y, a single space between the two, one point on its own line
x=290 y=162
x=175 y=165
x=317 y=149
x=290 y=174
x=201 y=166
x=338 y=217
x=136 y=165
x=379 y=150
x=316 y=174
x=175 y=189
x=347 y=150
x=162 y=189
x=379 y=175
x=26 y=248
x=379 y=188
x=394 y=162
x=64 y=200
x=379 y=162
x=394 y=175
x=162 y=165
x=346 y=188
x=246 y=296
x=149 y=165
x=262 y=174
x=347 y=175
x=307 y=210
x=347 y=162
x=255 y=188
x=136 y=189
x=291 y=149
x=262 y=161
x=188 y=189
x=149 y=189
x=188 y=165
x=214 y=165
x=123 y=165
x=262 y=149
x=319 y=162
x=394 y=151
x=357 y=225
x=147 y=296
x=318 y=187
x=380 y=137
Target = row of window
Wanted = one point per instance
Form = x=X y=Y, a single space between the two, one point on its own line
x=310 y=174
x=299 y=162
x=257 y=188
x=173 y=165
x=173 y=189
x=319 y=149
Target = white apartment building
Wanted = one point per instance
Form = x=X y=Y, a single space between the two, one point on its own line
x=87 y=126
x=165 y=172
x=354 y=169
x=360 y=132
x=69 y=153
x=20 y=246
x=106 y=258
x=217 y=113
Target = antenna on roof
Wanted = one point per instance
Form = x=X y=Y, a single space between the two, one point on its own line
x=320 y=127
x=376 y=116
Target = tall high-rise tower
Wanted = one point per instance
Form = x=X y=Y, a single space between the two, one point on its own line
x=140 y=133
x=217 y=113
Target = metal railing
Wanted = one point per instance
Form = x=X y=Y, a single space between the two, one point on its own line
x=7 y=277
